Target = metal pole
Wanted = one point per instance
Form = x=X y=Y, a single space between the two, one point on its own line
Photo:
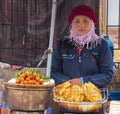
x=49 y=59
x=51 y=37
x=119 y=28
x=107 y=19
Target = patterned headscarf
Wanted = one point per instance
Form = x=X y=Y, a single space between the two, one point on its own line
x=90 y=38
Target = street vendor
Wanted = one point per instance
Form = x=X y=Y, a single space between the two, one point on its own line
x=82 y=56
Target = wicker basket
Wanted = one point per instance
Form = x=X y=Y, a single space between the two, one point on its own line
x=28 y=98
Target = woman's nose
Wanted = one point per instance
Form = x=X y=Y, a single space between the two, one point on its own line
x=81 y=24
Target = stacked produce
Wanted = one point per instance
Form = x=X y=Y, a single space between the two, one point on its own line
x=88 y=92
x=31 y=77
x=29 y=90
x=80 y=99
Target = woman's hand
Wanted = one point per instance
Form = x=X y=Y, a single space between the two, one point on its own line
x=76 y=81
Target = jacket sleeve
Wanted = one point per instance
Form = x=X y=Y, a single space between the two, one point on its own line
x=105 y=74
x=56 y=66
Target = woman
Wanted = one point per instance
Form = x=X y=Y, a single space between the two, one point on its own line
x=82 y=56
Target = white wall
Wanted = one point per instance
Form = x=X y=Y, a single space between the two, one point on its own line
x=113 y=12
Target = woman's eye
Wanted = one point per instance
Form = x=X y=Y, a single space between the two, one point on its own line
x=85 y=21
x=77 y=21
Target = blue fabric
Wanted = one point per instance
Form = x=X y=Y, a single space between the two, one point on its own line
x=82 y=80
x=67 y=66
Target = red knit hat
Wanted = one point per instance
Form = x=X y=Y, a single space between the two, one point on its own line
x=82 y=10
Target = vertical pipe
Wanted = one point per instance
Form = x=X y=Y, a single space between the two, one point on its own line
x=119 y=28
x=107 y=19
x=49 y=59
x=51 y=37
x=11 y=34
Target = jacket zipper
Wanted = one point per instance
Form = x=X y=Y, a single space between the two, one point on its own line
x=79 y=50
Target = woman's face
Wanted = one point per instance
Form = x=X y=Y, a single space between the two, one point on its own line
x=81 y=24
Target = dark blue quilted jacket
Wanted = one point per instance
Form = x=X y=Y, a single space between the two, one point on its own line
x=66 y=66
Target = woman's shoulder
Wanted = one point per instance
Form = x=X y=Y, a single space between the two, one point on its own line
x=102 y=42
x=64 y=40
x=99 y=44
x=102 y=45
